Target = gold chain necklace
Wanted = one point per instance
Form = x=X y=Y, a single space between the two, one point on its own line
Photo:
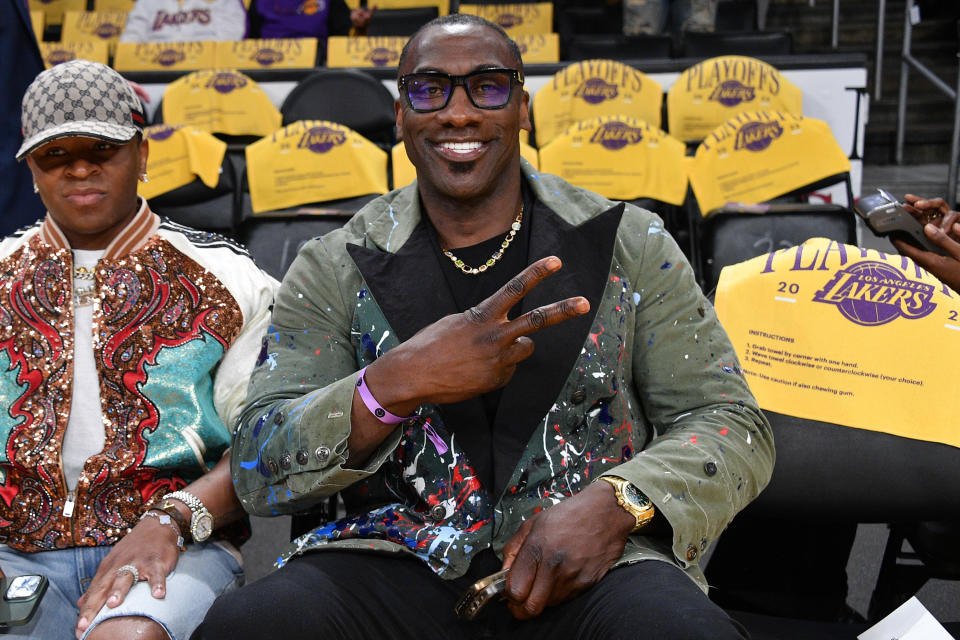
x=472 y=271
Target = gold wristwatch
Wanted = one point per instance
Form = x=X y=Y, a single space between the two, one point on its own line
x=632 y=500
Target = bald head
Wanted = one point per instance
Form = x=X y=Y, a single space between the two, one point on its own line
x=457 y=23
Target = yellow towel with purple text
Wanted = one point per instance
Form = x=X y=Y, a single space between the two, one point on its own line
x=856 y=337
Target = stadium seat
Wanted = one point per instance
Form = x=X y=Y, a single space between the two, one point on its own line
x=619 y=47
x=752 y=178
x=346 y=96
x=400 y=22
x=191 y=180
x=731 y=235
x=853 y=446
x=700 y=44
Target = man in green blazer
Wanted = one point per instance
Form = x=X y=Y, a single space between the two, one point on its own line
x=401 y=373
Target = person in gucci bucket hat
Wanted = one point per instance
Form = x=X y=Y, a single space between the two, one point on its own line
x=126 y=343
x=495 y=370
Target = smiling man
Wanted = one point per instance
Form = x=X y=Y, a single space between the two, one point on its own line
x=126 y=343
x=401 y=373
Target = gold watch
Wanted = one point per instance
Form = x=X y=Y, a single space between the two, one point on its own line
x=632 y=500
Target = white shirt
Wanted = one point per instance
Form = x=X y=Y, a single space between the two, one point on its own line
x=85 y=435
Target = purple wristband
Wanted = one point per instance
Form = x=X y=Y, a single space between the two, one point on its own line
x=371 y=403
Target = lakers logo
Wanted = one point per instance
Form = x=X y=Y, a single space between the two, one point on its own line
x=509 y=20
x=310 y=7
x=225 y=82
x=266 y=57
x=381 y=56
x=596 y=90
x=108 y=30
x=60 y=55
x=321 y=139
x=874 y=293
x=160 y=132
x=170 y=57
x=757 y=136
x=616 y=135
x=731 y=93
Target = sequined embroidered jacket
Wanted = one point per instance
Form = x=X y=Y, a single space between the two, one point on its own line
x=646 y=386
x=171 y=305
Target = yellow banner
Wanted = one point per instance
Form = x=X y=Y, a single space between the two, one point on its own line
x=56 y=52
x=619 y=158
x=851 y=336
x=539 y=47
x=178 y=156
x=220 y=101
x=404 y=172
x=516 y=19
x=313 y=161
x=592 y=88
x=441 y=5
x=711 y=92
x=113 y=5
x=360 y=51
x=95 y=26
x=36 y=21
x=53 y=10
x=759 y=156
x=165 y=56
x=289 y=53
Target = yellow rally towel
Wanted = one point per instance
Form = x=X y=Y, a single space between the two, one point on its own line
x=220 y=101
x=98 y=26
x=56 y=52
x=404 y=172
x=286 y=53
x=113 y=5
x=178 y=156
x=164 y=56
x=36 y=21
x=620 y=158
x=594 y=88
x=539 y=47
x=711 y=92
x=313 y=161
x=360 y=51
x=516 y=19
x=852 y=336
x=758 y=156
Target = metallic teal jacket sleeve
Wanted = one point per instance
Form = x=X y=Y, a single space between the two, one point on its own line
x=291 y=440
x=712 y=452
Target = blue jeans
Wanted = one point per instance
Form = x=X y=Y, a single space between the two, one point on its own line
x=203 y=572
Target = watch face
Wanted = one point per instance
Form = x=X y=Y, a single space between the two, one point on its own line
x=202 y=527
x=635 y=497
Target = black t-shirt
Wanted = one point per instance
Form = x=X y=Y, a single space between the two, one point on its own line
x=469 y=290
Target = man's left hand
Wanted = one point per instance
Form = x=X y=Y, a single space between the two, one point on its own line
x=151 y=547
x=564 y=550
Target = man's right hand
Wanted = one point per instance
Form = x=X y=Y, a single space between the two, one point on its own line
x=460 y=356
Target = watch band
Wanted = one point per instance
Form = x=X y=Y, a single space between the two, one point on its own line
x=639 y=506
x=201 y=521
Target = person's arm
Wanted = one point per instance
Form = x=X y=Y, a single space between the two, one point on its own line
x=151 y=546
x=942 y=227
x=714 y=449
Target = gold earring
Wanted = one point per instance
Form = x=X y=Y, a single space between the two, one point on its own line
x=36 y=189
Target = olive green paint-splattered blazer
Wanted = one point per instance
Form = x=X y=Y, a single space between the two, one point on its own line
x=646 y=386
